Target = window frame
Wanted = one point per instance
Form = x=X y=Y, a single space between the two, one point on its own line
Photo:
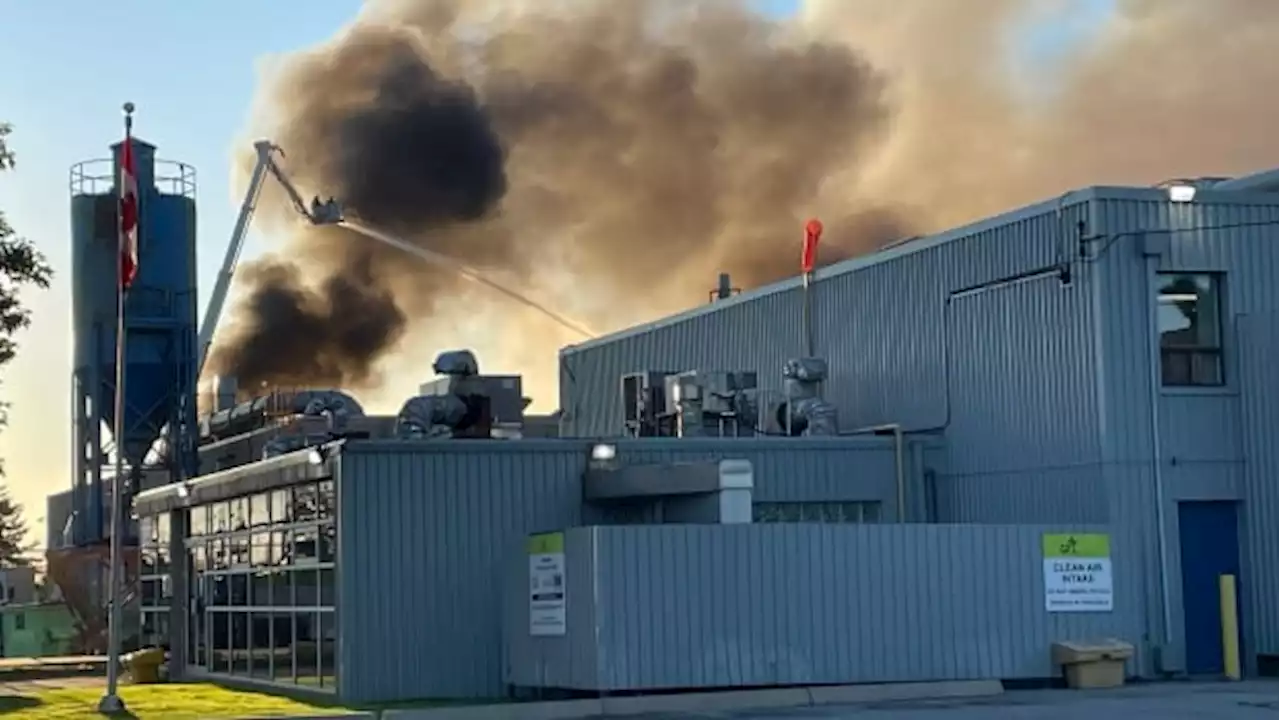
x=1215 y=352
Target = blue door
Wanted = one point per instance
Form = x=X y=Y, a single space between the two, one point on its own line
x=1210 y=548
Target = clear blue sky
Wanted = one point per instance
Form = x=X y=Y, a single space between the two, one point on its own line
x=68 y=65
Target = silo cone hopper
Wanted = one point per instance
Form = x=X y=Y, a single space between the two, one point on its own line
x=148 y=399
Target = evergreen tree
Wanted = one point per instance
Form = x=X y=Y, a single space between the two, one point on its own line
x=15 y=549
x=22 y=265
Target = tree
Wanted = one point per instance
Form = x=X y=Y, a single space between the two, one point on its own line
x=22 y=266
x=15 y=549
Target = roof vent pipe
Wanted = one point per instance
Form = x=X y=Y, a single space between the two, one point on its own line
x=724 y=289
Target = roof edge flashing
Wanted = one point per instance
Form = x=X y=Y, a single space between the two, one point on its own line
x=1262 y=181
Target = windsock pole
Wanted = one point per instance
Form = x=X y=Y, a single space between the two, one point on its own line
x=808 y=257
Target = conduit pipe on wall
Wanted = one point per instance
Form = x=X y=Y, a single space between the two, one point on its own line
x=900 y=473
x=1157 y=443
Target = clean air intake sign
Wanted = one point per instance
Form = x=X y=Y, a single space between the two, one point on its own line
x=1077 y=573
x=546 y=584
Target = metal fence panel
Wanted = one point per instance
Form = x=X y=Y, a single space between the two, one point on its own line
x=756 y=605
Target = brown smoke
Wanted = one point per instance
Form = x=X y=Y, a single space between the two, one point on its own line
x=646 y=157
x=1164 y=89
x=640 y=147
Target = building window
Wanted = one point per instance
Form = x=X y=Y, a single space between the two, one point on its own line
x=155 y=592
x=816 y=512
x=1190 y=320
x=262 y=587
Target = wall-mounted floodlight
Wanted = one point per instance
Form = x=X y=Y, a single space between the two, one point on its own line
x=184 y=492
x=603 y=452
x=1181 y=193
x=315 y=456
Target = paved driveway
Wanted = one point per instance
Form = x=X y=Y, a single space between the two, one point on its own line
x=1254 y=700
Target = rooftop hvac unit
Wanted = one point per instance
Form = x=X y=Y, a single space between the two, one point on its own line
x=644 y=403
x=705 y=403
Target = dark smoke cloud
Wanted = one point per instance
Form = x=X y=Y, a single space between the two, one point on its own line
x=375 y=125
x=301 y=334
x=642 y=144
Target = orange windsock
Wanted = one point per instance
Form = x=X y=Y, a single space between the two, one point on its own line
x=809 y=253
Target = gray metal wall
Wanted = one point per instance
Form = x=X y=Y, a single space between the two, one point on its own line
x=1188 y=445
x=1045 y=391
x=969 y=331
x=424 y=528
x=687 y=606
x=1257 y=371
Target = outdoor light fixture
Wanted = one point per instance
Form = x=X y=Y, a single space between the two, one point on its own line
x=315 y=457
x=184 y=492
x=603 y=452
x=1181 y=193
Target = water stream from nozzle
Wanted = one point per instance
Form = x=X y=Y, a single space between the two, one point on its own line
x=467 y=272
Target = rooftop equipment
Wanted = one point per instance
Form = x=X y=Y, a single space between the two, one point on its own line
x=258 y=412
x=694 y=403
x=463 y=403
x=804 y=412
x=712 y=403
x=701 y=403
x=644 y=401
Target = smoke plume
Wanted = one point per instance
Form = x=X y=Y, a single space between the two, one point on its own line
x=615 y=156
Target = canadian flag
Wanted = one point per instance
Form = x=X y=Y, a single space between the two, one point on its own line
x=128 y=216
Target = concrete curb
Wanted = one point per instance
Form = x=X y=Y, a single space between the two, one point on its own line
x=709 y=701
x=332 y=716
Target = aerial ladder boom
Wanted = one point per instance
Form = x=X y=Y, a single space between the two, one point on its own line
x=326 y=213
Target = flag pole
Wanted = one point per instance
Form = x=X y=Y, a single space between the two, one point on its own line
x=111 y=701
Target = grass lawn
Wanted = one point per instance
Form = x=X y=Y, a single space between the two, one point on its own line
x=155 y=702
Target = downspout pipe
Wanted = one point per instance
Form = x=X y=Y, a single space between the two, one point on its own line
x=899 y=464
x=1157 y=454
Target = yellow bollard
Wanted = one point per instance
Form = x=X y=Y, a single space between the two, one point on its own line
x=1230 y=626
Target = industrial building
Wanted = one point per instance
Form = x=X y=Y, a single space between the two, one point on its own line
x=873 y=476
x=1105 y=357
x=375 y=567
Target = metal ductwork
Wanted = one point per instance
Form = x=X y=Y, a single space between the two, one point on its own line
x=461 y=403
x=804 y=412
x=256 y=413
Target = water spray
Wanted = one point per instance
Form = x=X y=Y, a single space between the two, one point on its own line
x=465 y=271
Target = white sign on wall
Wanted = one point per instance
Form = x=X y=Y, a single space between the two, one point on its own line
x=546 y=585
x=1077 y=573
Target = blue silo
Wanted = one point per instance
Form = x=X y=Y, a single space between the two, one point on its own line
x=160 y=327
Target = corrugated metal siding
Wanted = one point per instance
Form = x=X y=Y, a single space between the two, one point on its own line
x=1257 y=368
x=705 y=606
x=1008 y=350
x=1199 y=446
x=553 y=662
x=423 y=532
x=887 y=362
x=424 y=529
x=1023 y=432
